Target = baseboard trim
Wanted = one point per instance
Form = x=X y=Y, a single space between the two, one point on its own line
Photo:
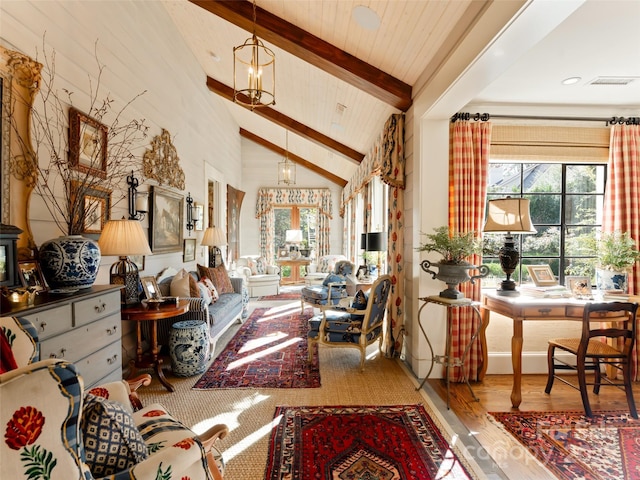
x=532 y=363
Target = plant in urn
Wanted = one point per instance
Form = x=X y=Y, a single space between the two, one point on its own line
x=453 y=269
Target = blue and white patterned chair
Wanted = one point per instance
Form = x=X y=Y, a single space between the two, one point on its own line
x=336 y=286
x=54 y=429
x=356 y=326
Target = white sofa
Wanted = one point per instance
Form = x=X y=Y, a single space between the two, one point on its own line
x=261 y=279
x=316 y=273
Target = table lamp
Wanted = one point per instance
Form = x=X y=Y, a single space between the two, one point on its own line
x=293 y=237
x=377 y=242
x=214 y=238
x=509 y=216
x=122 y=238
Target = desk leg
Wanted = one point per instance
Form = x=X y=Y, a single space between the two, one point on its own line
x=484 y=318
x=156 y=358
x=516 y=360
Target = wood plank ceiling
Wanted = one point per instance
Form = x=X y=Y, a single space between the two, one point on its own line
x=336 y=82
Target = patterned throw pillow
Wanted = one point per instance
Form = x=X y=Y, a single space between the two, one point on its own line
x=261 y=266
x=253 y=266
x=359 y=303
x=220 y=279
x=212 y=289
x=112 y=441
x=333 y=278
x=204 y=292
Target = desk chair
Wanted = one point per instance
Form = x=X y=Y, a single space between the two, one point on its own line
x=616 y=352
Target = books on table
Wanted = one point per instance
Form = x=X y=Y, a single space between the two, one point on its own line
x=550 y=291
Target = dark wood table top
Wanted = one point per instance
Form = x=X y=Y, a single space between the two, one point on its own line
x=141 y=312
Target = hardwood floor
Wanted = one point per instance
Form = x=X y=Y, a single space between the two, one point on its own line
x=494 y=395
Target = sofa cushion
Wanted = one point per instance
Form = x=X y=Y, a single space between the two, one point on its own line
x=184 y=285
x=204 y=293
x=111 y=440
x=219 y=276
x=333 y=278
x=211 y=288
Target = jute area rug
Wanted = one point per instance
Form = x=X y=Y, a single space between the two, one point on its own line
x=269 y=351
x=574 y=446
x=390 y=442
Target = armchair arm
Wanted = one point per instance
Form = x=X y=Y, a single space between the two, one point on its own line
x=237 y=284
x=243 y=271
x=273 y=270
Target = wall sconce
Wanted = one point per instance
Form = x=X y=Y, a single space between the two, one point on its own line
x=138 y=205
x=190 y=220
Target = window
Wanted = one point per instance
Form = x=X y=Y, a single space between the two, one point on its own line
x=566 y=208
x=296 y=218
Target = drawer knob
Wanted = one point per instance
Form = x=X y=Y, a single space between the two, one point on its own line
x=42 y=326
x=60 y=355
x=112 y=331
x=112 y=359
x=544 y=311
x=101 y=308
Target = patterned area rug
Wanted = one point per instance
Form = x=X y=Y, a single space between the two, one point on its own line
x=268 y=351
x=359 y=442
x=287 y=295
x=574 y=446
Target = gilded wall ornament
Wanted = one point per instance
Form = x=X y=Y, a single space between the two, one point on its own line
x=162 y=164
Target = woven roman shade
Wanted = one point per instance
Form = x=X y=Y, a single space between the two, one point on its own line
x=547 y=143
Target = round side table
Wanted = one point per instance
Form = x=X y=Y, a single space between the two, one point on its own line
x=189 y=347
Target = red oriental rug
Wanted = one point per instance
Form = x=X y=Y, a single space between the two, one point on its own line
x=574 y=446
x=290 y=295
x=359 y=442
x=268 y=351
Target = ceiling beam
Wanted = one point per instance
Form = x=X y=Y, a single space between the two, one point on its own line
x=288 y=123
x=313 y=50
x=293 y=157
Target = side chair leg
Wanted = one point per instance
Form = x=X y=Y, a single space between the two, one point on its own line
x=550 y=368
x=597 y=376
x=584 y=393
x=628 y=389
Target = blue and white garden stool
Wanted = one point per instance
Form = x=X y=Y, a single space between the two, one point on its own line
x=189 y=347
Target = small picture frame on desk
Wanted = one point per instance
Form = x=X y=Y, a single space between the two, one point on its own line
x=542 y=275
x=579 y=286
x=31 y=275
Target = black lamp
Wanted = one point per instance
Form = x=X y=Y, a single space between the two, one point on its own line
x=509 y=216
x=377 y=242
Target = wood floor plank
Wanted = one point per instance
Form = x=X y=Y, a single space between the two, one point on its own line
x=494 y=396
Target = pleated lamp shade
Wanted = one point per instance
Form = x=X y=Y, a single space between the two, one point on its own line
x=122 y=238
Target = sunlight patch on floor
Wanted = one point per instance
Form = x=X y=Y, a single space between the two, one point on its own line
x=249 y=440
x=251 y=358
x=230 y=419
x=260 y=342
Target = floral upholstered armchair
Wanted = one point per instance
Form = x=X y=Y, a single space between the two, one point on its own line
x=336 y=286
x=356 y=325
x=55 y=430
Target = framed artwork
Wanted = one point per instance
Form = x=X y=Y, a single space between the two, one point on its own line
x=87 y=144
x=150 y=287
x=96 y=207
x=166 y=220
x=189 y=253
x=198 y=216
x=234 y=203
x=31 y=275
x=138 y=260
x=580 y=287
x=542 y=275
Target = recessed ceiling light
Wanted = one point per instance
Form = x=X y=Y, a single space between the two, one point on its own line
x=571 y=80
x=366 y=18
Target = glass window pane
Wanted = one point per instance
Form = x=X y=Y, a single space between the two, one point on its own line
x=543 y=244
x=504 y=178
x=542 y=177
x=282 y=224
x=585 y=178
x=583 y=209
x=545 y=209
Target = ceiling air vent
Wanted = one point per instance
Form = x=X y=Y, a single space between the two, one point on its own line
x=613 y=81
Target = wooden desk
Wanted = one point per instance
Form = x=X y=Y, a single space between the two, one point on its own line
x=295 y=269
x=522 y=309
x=140 y=313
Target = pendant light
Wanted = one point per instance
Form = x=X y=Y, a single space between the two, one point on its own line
x=286 y=168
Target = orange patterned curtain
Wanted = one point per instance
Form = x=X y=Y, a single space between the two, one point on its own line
x=468 y=169
x=622 y=197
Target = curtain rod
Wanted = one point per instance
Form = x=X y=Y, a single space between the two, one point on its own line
x=484 y=117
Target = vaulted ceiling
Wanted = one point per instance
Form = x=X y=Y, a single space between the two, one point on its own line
x=337 y=81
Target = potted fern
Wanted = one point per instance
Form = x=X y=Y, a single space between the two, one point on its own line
x=617 y=253
x=454 y=268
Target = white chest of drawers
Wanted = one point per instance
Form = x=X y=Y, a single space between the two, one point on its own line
x=83 y=328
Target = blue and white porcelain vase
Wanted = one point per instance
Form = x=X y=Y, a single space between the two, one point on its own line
x=609 y=281
x=70 y=262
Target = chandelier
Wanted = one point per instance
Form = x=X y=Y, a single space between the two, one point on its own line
x=254 y=72
x=286 y=168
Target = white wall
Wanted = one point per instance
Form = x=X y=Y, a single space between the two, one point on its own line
x=260 y=169
x=142 y=51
